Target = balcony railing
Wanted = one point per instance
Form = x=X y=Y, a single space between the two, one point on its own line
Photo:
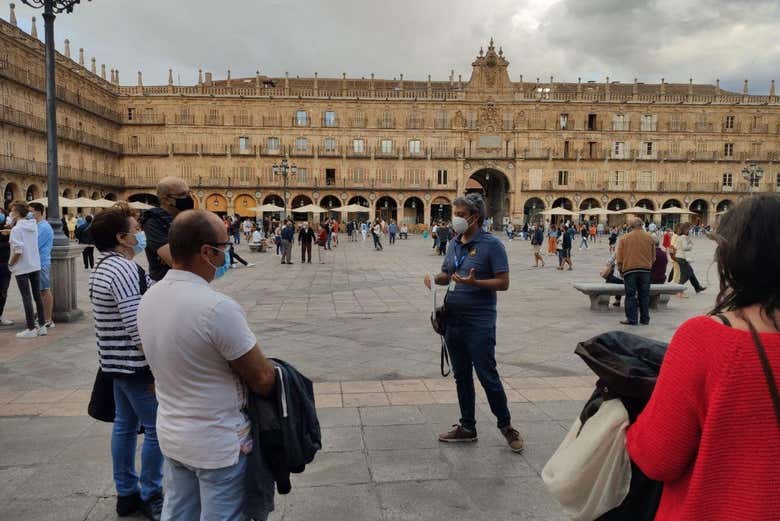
x=67 y=173
x=145 y=119
x=213 y=149
x=328 y=152
x=536 y=153
x=760 y=128
x=185 y=149
x=214 y=120
x=184 y=119
x=379 y=152
x=138 y=149
x=621 y=126
x=703 y=126
x=677 y=126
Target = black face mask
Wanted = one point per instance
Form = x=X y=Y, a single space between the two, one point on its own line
x=184 y=203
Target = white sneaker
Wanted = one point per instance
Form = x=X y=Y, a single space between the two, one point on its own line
x=4 y=322
x=250 y=265
x=27 y=333
x=49 y=324
x=42 y=331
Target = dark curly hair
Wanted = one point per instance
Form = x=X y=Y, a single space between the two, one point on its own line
x=748 y=256
x=108 y=223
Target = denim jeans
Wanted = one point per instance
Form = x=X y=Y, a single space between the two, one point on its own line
x=136 y=405
x=206 y=494
x=29 y=287
x=471 y=343
x=686 y=274
x=637 y=289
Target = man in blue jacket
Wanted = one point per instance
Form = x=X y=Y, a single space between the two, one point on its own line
x=288 y=236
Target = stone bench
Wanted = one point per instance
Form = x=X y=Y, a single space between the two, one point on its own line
x=600 y=292
x=258 y=247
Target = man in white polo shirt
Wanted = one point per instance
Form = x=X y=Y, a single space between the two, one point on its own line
x=203 y=355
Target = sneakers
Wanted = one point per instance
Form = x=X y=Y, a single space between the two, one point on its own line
x=128 y=505
x=4 y=322
x=458 y=435
x=152 y=507
x=27 y=333
x=42 y=331
x=250 y=265
x=513 y=438
x=49 y=324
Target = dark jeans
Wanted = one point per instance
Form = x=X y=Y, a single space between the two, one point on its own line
x=637 y=292
x=30 y=288
x=236 y=257
x=5 y=281
x=392 y=238
x=471 y=342
x=686 y=274
x=305 y=251
x=88 y=254
x=136 y=405
x=377 y=244
x=237 y=237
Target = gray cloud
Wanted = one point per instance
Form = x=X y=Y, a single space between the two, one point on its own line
x=567 y=39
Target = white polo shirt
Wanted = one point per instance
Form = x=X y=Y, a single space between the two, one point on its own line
x=189 y=332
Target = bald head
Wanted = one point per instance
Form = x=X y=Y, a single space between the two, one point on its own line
x=636 y=223
x=171 y=185
x=190 y=231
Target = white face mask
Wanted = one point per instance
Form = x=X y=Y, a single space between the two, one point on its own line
x=459 y=224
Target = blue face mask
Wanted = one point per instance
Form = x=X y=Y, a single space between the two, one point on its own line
x=221 y=270
x=140 y=245
x=2 y=219
x=30 y=215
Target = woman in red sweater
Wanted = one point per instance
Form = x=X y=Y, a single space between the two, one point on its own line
x=711 y=431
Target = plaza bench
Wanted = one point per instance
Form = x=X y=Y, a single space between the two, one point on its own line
x=258 y=247
x=600 y=292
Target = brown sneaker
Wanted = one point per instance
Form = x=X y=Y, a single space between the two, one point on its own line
x=458 y=435
x=513 y=438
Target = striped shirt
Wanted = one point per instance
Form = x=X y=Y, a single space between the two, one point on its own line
x=115 y=294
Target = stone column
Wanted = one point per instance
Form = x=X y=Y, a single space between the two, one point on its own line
x=63 y=283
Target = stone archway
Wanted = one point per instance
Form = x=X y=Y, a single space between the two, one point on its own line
x=33 y=192
x=531 y=210
x=414 y=211
x=11 y=193
x=701 y=212
x=217 y=203
x=495 y=187
x=441 y=209
x=242 y=204
x=386 y=208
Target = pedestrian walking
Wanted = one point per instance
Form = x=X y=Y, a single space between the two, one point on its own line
x=584 y=234
x=25 y=265
x=364 y=230
x=475 y=268
x=552 y=239
x=5 y=273
x=247 y=224
x=682 y=253
x=322 y=240
x=564 y=248
x=287 y=235
x=115 y=289
x=376 y=233
x=445 y=235
x=84 y=237
x=305 y=238
x=392 y=231
x=510 y=230
x=537 y=239
x=635 y=257
x=613 y=238
x=203 y=362
x=45 y=245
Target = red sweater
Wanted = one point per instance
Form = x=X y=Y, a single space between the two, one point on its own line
x=709 y=431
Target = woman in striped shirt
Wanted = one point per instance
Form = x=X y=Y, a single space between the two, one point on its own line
x=116 y=285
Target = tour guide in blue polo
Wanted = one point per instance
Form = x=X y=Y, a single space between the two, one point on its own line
x=476 y=267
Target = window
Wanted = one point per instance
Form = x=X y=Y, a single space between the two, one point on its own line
x=754 y=180
x=330 y=144
x=592 y=177
x=414 y=146
x=386 y=121
x=245 y=173
x=647 y=148
x=730 y=122
x=273 y=144
x=755 y=150
x=676 y=123
x=358 y=175
x=471 y=119
x=564 y=121
x=358 y=146
x=302 y=175
x=301 y=118
x=301 y=144
x=674 y=148
x=592 y=122
x=563 y=177
x=728 y=179
x=648 y=123
x=414 y=120
x=777 y=182
x=387 y=146
x=509 y=122
x=216 y=171
x=414 y=176
x=329 y=120
x=386 y=176
x=728 y=150
x=211 y=119
x=646 y=180
x=619 y=150
x=9 y=148
x=618 y=178
x=620 y=122
x=441 y=177
x=441 y=120
x=243 y=143
x=130 y=114
x=330 y=176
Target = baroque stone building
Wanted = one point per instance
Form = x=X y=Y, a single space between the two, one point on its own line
x=402 y=148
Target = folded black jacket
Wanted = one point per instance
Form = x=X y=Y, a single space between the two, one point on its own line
x=285 y=428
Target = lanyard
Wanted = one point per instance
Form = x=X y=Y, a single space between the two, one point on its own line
x=457 y=262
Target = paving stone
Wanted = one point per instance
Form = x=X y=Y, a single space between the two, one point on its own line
x=404 y=465
x=338 y=417
x=334 y=468
x=398 y=437
x=333 y=503
x=393 y=415
x=365 y=399
x=63 y=480
x=512 y=498
x=480 y=461
x=38 y=509
x=426 y=501
x=342 y=439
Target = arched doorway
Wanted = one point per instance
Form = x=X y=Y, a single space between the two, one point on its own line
x=495 y=188
x=563 y=202
x=10 y=194
x=81 y=193
x=441 y=209
x=144 y=198
x=359 y=199
x=647 y=204
x=68 y=193
x=414 y=211
x=589 y=204
x=297 y=202
x=670 y=219
x=33 y=192
x=273 y=199
x=360 y=216
x=701 y=212
x=217 y=203
x=724 y=206
x=95 y=196
x=386 y=208
x=242 y=205
x=671 y=203
x=616 y=205
x=531 y=210
x=330 y=203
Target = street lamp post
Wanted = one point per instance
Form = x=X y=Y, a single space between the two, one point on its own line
x=750 y=172
x=285 y=170
x=63 y=268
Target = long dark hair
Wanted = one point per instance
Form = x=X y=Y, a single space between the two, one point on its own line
x=748 y=256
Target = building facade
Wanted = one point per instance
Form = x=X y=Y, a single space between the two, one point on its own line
x=405 y=149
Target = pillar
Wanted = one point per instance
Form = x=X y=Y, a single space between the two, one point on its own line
x=63 y=282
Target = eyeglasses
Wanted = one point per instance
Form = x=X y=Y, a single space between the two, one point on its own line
x=215 y=244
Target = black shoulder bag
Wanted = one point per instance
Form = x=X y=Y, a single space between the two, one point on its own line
x=439 y=324
x=101 y=401
x=770 y=377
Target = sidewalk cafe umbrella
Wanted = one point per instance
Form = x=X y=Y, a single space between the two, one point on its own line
x=598 y=211
x=266 y=208
x=64 y=202
x=556 y=211
x=138 y=205
x=353 y=208
x=103 y=203
x=636 y=210
x=673 y=210
x=309 y=208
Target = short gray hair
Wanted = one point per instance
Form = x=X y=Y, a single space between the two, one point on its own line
x=475 y=204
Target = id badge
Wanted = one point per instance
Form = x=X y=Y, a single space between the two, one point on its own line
x=451 y=287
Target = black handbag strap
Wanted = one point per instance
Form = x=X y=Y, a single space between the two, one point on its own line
x=445 y=358
x=765 y=365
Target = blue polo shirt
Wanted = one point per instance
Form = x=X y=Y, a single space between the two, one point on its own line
x=45 y=242
x=484 y=253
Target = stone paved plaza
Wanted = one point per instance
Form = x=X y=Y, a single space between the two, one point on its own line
x=358 y=326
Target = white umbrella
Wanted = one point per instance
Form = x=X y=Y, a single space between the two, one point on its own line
x=266 y=208
x=636 y=210
x=673 y=210
x=104 y=203
x=64 y=202
x=598 y=211
x=353 y=208
x=558 y=210
x=138 y=205
x=310 y=208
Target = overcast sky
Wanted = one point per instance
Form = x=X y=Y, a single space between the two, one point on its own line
x=623 y=39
